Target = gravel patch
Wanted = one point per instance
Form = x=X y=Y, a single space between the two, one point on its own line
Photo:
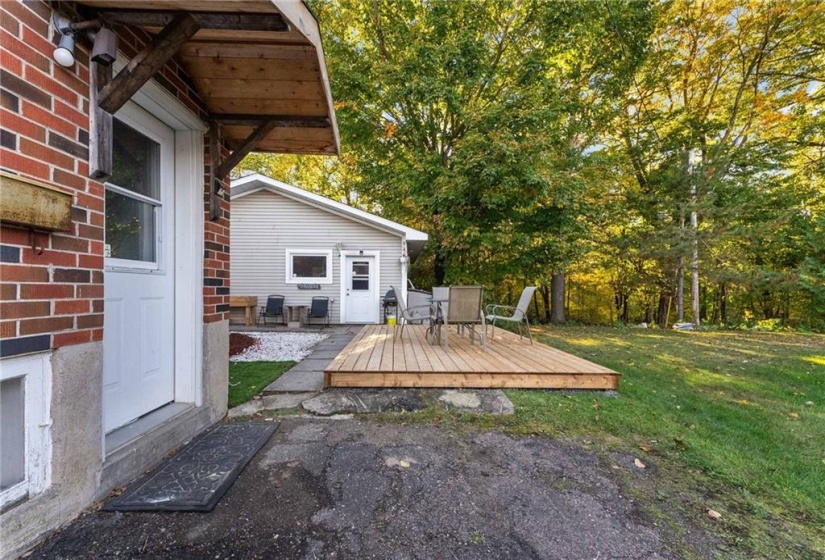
x=279 y=347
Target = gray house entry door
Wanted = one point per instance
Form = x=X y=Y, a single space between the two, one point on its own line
x=361 y=291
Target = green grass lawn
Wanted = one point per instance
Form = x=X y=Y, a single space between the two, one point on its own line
x=742 y=412
x=247 y=379
x=732 y=421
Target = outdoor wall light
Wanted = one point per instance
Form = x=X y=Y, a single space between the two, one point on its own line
x=104 y=50
x=339 y=246
x=64 y=53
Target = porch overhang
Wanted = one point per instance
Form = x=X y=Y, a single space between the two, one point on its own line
x=257 y=64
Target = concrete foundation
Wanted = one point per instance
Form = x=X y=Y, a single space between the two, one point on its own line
x=216 y=367
x=77 y=450
x=80 y=472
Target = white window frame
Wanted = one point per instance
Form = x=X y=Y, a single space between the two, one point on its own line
x=308 y=253
x=131 y=118
x=36 y=371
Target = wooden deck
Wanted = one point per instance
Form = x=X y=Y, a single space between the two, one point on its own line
x=377 y=358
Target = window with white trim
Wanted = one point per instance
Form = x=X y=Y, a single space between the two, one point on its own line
x=133 y=203
x=308 y=266
x=25 y=427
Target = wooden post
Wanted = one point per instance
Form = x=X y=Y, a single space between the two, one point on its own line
x=215 y=185
x=100 y=125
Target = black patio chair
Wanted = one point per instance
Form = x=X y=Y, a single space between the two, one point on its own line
x=319 y=309
x=274 y=308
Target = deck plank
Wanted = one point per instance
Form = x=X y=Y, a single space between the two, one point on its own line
x=378 y=357
x=349 y=355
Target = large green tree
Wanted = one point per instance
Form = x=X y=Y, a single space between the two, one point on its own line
x=476 y=121
x=738 y=83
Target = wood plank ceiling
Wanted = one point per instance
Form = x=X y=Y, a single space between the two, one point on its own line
x=254 y=62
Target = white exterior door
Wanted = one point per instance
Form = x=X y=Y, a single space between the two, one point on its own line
x=139 y=280
x=360 y=290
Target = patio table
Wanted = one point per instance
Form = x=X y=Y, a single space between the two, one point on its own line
x=440 y=318
x=295 y=315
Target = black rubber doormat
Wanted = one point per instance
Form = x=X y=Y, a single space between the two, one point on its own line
x=197 y=477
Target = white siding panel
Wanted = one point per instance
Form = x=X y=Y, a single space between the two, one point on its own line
x=265 y=224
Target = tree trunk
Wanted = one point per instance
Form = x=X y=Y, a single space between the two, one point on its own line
x=723 y=303
x=661 y=312
x=545 y=296
x=625 y=309
x=557 y=304
x=680 y=290
x=439 y=268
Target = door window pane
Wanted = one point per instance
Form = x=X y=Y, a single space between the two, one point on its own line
x=133 y=196
x=361 y=275
x=135 y=161
x=130 y=228
x=309 y=266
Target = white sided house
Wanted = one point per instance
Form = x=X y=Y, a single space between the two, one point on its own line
x=294 y=243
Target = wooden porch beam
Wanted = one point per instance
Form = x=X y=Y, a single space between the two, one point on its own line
x=248 y=145
x=100 y=124
x=143 y=66
x=280 y=121
x=206 y=20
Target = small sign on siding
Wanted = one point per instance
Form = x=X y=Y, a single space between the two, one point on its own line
x=309 y=286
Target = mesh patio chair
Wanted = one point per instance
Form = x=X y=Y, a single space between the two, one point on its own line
x=413 y=314
x=465 y=312
x=274 y=308
x=319 y=309
x=517 y=314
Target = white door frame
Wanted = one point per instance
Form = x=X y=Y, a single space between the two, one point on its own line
x=188 y=237
x=343 y=279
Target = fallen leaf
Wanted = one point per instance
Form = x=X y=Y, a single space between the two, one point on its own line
x=617 y=467
x=809 y=403
x=644 y=448
x=404 y=464
x=638 y=463
x=793 y=415
x=713 y=514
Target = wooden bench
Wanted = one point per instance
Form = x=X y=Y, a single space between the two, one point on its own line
x=250 y=303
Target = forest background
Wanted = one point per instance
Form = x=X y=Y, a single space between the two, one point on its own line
x=640 y=161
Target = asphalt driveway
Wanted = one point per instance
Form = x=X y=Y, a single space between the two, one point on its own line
x=327 y=488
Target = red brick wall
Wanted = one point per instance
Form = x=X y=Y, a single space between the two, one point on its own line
x=216 y=258
x=55 y=298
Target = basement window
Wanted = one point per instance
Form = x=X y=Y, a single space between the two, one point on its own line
x=308 y=267
x=25 y=456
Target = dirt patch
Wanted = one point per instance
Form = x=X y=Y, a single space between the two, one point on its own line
x=239 y=342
